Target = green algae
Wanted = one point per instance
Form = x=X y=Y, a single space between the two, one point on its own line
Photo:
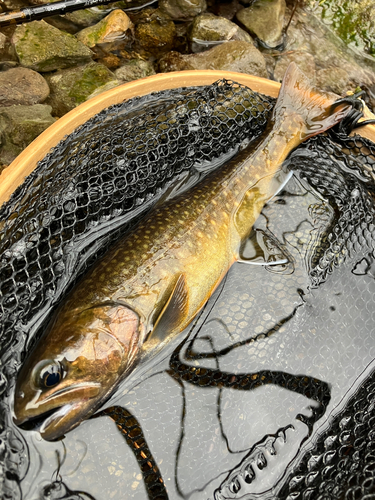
x=43 y=48
x=352 y=20
x=71 y=87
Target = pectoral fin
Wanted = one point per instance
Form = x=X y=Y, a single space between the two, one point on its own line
x=173 y=314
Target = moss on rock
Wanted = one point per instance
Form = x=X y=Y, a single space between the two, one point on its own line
x=155 y=32
x=43 y=48
x=112 y=26
x=71 y=87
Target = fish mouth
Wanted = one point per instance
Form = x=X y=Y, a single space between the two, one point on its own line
x=42 y=422
x=59 y=422
x=59 y=412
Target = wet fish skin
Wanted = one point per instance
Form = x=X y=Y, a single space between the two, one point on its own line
x=150 y=286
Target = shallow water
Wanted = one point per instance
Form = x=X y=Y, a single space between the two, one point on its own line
x=352 y=20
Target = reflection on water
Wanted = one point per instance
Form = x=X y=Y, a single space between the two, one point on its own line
x=230 y=412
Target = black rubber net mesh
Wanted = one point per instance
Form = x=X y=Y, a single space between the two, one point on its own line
x=270 y=393
x=84 y=190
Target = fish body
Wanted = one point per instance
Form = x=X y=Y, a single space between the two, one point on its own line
x=153 y=282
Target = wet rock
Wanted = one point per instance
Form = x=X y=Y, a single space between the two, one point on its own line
x=12 y=5
x=63 y=24
x=181 y=43
x=2 y=41
x=264 y=19
x=333 y=79
x=5 y=65
x=304 y=60
x=230 y=56
x=334 y=51
x=182 y=10
x=22 y=86
x=134 y=69
x=84 y=17
x=155 y=32
x=352 y=20
x=81 y=18
x=59 y=22
x=20 y=125
x=43 y=48
x=210 y=28
x=227 y=10
x=270 y=64
x=338 y=68
x=7 y=53
x=87 y=17
x=111 y=61
x=112 y=27
x=71 y=87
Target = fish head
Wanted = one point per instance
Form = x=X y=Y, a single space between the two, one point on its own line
x=74 y=367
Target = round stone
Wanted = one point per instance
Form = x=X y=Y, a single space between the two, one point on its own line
x=22 y=86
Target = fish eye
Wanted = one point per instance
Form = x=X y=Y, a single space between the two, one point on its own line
x=50 y=375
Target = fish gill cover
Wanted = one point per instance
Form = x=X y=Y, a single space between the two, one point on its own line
x=95 y=184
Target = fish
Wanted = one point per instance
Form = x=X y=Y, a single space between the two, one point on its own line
x=153 y=282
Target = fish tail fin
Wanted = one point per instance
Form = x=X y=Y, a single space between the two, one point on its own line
x=301 y=105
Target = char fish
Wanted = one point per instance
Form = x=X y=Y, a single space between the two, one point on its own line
x=154 y=281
